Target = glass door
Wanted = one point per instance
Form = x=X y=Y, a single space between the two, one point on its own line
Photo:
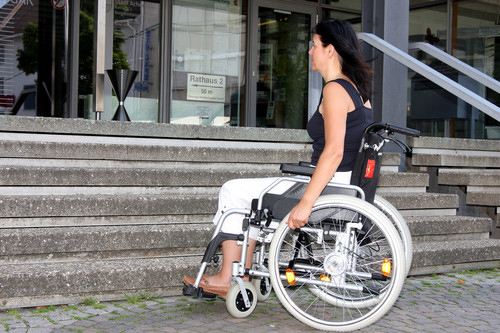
x=280 y=64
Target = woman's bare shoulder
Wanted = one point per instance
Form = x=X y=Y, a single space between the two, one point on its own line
x=334 y=90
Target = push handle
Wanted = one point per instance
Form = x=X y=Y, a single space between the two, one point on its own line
x=375 y=127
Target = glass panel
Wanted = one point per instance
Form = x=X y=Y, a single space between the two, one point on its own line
x=428 y=24
x=344 y=4
x=282 y=68
x=24 y=71
x=476 y=41
x=86 y=60
x=353 y=18
x=136 y=46
x=208 y=58
x=430 y=107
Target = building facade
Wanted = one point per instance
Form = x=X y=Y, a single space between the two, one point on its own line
x=235 y=62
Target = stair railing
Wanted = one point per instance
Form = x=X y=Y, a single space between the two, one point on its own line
x=441 y=80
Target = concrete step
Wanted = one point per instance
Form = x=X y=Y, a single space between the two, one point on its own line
x=94 y=204
x=390 y=182
x=452 y=152
x=76 y=126
x=44 y=283
x=26 y=285
x=482 y=185
x=109 y=209
x=172 y=174
x=143 y=201
x=65 y=244
x=49 y=146
x=90 y=221
x=423 y=204
x=469 y=177
x=482 y=196
x=447 y=228
x=448 y=256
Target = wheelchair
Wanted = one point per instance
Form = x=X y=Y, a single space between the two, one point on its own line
x=340 y=272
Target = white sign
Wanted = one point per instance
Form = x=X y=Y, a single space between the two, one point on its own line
x=211 y=88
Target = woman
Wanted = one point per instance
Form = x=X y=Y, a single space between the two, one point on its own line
x=336 y=129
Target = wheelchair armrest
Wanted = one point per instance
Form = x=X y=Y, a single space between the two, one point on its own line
x=297 y=169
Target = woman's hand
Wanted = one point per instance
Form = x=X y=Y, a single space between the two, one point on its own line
x=299 y=216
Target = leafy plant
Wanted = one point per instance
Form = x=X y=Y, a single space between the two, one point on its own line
x=27 y=57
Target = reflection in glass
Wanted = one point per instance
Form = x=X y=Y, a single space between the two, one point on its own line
x=33 y=51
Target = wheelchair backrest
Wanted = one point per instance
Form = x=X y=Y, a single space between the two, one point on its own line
x=366 y=170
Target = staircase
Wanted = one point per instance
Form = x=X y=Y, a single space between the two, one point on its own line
x=106 y=209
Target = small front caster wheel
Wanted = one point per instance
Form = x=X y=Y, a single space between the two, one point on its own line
x=263 y=288
x=235 y=304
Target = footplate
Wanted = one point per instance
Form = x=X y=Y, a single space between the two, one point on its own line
x=192 y=291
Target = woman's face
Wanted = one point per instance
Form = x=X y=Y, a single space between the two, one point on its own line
x=318 y=53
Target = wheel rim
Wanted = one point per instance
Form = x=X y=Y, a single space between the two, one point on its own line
x=240 y=303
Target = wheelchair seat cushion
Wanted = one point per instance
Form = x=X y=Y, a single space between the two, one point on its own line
x=279 y=205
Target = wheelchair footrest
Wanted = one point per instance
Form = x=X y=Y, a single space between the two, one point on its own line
x=192 y=291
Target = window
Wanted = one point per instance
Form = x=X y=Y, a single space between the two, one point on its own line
x=208 y=58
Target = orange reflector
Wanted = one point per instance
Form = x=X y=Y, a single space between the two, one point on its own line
x=386 y=267
x=324 y=278
x=290 y=276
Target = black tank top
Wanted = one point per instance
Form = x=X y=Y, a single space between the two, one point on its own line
x=357 y=120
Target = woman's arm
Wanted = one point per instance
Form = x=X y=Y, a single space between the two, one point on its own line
x=334 y=107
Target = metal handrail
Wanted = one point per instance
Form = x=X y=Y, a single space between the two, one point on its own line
x=441 y=80
x=459 y=65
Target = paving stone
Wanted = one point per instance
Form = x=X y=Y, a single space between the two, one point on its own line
x=458 y=302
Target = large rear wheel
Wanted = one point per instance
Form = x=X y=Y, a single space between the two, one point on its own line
x=341 y=273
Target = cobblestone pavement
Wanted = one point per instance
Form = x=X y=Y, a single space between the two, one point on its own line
x=467 y=301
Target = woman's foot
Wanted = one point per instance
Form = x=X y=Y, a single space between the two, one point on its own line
x=210 y=284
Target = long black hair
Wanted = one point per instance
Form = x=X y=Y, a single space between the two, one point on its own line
x=341 y=35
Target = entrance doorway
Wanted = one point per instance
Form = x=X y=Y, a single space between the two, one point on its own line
x=279 y=81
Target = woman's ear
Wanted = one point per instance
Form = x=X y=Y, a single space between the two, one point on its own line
x=331 y=50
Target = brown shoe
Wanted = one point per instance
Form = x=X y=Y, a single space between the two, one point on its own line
x=218 y=290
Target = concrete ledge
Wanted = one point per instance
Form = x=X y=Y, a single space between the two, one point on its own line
x=58 y=283
x=487 y=177
x=106 y=205
x=79 y=176
x=76 y=241
x=115 y=220
x=486 y=196
x=391 y=159
x=148 y=130
x=422 y=201
x=403 y=179
x=453 y=143
x=449 y=268
x=428 y=212
x=441 y=225
x=451 y=152
x=186 y=151
x=456 y=252
x=455 y=158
